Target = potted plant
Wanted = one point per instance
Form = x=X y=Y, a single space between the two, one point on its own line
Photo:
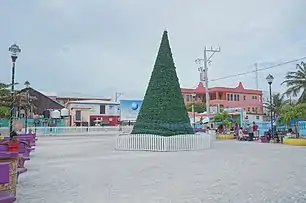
x=225 y=119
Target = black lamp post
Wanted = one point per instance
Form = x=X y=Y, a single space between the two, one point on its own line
x=270 y=79
x=15 y=50
x=27 y=85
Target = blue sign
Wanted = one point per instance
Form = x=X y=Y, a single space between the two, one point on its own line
x=129 y=109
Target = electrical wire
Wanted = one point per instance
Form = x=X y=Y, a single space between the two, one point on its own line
x=259 y=69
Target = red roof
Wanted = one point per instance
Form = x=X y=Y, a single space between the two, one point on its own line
x=200 y=89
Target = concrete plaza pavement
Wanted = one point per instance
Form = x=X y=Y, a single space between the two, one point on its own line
x=87 y=169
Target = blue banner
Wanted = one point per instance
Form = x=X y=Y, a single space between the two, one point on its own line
x=129 y=109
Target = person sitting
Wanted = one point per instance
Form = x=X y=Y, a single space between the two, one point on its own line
x=289 y=133
x=13 y=146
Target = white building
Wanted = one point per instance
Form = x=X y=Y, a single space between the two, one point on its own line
x=90 y=112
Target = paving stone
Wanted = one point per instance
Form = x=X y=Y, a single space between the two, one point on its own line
x=87 y=169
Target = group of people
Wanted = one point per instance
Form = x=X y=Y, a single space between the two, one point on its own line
x=251 y=132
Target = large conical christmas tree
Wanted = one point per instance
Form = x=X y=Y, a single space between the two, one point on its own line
x=163 y=111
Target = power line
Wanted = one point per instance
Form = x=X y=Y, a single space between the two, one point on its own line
x=259 y=69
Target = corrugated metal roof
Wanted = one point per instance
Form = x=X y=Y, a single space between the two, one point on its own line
x=93 y=102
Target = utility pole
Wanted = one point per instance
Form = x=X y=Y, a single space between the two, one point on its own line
x=204 y=71
x=117 y=95
x=256 y=75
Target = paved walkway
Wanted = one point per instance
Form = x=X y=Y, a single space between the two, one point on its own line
x=88 y=170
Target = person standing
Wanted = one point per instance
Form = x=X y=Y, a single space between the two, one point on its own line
x=236 y=130
x=250 y=132
x=255 y=130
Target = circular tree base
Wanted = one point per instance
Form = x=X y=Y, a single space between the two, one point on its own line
x=149 y=142
x=295 y=141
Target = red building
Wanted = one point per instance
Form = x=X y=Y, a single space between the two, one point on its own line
x=226 y=97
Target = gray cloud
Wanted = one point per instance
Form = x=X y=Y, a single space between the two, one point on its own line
x=97 y=47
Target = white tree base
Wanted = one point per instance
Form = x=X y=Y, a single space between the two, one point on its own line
x=149 y=142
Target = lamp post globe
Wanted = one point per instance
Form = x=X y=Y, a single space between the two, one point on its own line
x=15 y=50
x=270 y=79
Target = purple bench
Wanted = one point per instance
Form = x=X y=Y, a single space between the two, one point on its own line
x=5 y=196
x=31 y=138
x=8 y=161
x=4 y=148
x=23 y=148
x=3 y=153
x=264 y=139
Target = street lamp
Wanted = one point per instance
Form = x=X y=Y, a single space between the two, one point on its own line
x=270 y=79
x=27 y=85
x=14 y=50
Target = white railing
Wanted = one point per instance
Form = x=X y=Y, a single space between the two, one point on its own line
x=147 y=142
x=212 y=134
x=67 y=130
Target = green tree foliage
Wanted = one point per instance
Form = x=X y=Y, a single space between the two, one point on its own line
x=21 y=99
x=296 y=82
x=292 y=113
x=163 y=111
x=224 y=118
x=199 y=107
x=4 y=112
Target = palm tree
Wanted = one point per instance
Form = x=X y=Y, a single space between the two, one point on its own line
x=224 y=118
x=296 y=82
x=278 y=100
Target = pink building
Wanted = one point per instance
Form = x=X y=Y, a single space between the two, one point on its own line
x=225 y=97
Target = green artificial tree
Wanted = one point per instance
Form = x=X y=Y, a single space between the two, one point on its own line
x=163 y=111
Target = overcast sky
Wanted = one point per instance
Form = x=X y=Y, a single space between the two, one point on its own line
x=98 y=47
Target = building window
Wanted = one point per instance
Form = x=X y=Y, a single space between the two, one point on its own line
x=253 y=109
x=187 y=97
x=249 y=109
x=256 y=109
x=244 y=97
x=231 y=97
x=102 y=109
x=228 y=97
x=237 y=97
x=77 y=115
x=257 y=117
